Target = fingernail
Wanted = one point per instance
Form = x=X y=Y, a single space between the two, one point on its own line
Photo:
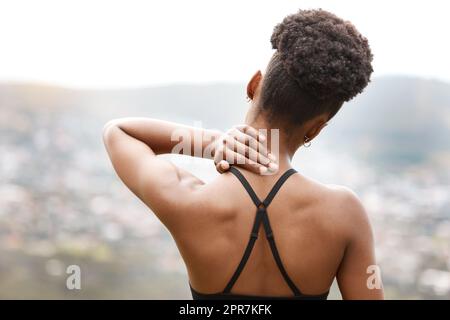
x=265 y=161
x=273 y=166
x=262 y=170
x=262 y=138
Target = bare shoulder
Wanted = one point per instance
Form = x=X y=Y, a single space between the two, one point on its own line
x=339 y=204
x=353 y=217
x=347 y=200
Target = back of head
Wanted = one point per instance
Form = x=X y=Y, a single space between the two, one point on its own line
x=320 y=62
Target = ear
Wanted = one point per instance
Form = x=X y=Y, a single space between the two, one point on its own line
x=316 y=126
x=253 y=84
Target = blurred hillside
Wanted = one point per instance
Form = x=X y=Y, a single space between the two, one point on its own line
x=398 y=119
x=61 y=203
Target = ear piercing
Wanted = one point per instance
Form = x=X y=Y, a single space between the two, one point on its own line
x=307 y=142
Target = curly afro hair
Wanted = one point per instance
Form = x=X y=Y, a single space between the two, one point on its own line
x=321 y=61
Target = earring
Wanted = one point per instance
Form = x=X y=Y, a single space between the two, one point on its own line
x=307 y=142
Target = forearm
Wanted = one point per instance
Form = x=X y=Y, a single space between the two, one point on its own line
x=168 y=137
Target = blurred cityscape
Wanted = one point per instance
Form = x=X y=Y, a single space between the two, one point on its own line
x=61 y=203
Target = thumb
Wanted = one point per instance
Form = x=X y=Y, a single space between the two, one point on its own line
x=222 y=166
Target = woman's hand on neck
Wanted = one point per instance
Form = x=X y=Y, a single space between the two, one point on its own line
x=277 y=140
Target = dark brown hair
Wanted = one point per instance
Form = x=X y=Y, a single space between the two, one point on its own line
x=320 y=62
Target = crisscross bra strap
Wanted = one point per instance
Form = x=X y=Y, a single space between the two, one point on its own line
x=248 y=250
x=261 y=217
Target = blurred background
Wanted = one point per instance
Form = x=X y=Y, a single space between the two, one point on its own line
x=67 y=67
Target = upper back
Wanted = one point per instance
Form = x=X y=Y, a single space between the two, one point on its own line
x=309 y=226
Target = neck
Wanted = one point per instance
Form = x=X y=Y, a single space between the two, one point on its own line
x=277 y=141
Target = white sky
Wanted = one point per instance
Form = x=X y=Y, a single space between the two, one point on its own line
x=95 y=43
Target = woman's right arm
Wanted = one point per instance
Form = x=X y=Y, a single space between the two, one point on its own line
x=133 y=145
x=233 y=146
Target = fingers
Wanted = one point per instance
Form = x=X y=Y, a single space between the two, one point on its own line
x=244 y=146
x=248 y=140
x=237 y=158
x=224 y=156
x=222 y=166
x=251 y=132
x=257 y=167
x=258 y=140
x=249 y=152
x=219 y=154
x=247 y=133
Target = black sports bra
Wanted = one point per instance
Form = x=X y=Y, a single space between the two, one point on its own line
x=261 y=217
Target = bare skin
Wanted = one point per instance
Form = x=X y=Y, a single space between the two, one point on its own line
x=322 y=231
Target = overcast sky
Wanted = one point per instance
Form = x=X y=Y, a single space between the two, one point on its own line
x=94 y=43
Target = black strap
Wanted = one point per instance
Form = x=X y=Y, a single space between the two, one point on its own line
x=246 y=185
x=277 y=186
x=276 y=255
x=248 y=250
x=261 y=216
